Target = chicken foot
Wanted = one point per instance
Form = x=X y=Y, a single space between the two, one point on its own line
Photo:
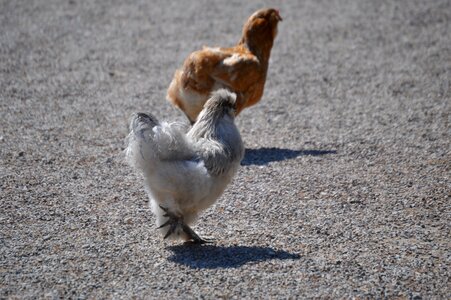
x=174 y=221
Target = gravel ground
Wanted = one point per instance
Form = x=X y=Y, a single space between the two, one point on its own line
x=344 y=191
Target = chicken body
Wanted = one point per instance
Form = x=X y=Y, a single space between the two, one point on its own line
x=185 y=173
x=241 y=69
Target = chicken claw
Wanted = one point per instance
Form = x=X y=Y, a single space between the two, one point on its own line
x=174 y=221
x=196 y=239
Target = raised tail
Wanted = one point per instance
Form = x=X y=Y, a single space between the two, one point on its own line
x=142 y=123
x=140 y=151
x=151 y=142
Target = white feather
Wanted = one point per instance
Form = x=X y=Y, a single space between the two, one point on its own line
x=186 y=172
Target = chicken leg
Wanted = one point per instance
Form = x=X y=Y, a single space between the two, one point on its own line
x=174 y=221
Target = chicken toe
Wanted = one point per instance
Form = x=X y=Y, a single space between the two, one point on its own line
x=175 y=221
x=195 y=238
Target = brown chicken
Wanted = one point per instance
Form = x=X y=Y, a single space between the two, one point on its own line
x=241 y=69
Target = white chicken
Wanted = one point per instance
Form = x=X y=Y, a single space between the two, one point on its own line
x=185 y=173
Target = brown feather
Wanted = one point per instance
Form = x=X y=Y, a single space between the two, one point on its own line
x=242 y=69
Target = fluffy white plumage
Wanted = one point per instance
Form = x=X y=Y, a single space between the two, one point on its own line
x=186 y=172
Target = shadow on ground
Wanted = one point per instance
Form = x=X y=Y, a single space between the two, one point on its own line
x=213 y=257
x=263 y=156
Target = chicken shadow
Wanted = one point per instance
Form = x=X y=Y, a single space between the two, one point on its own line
x=214 y=257
x=263 y=156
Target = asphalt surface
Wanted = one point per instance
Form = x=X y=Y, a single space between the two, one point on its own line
x=344 y=190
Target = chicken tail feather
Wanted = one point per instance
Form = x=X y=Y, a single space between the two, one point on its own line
x=141 y=123
x=151 y=142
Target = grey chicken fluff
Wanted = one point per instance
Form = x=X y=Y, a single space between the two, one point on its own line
x=186 y=172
